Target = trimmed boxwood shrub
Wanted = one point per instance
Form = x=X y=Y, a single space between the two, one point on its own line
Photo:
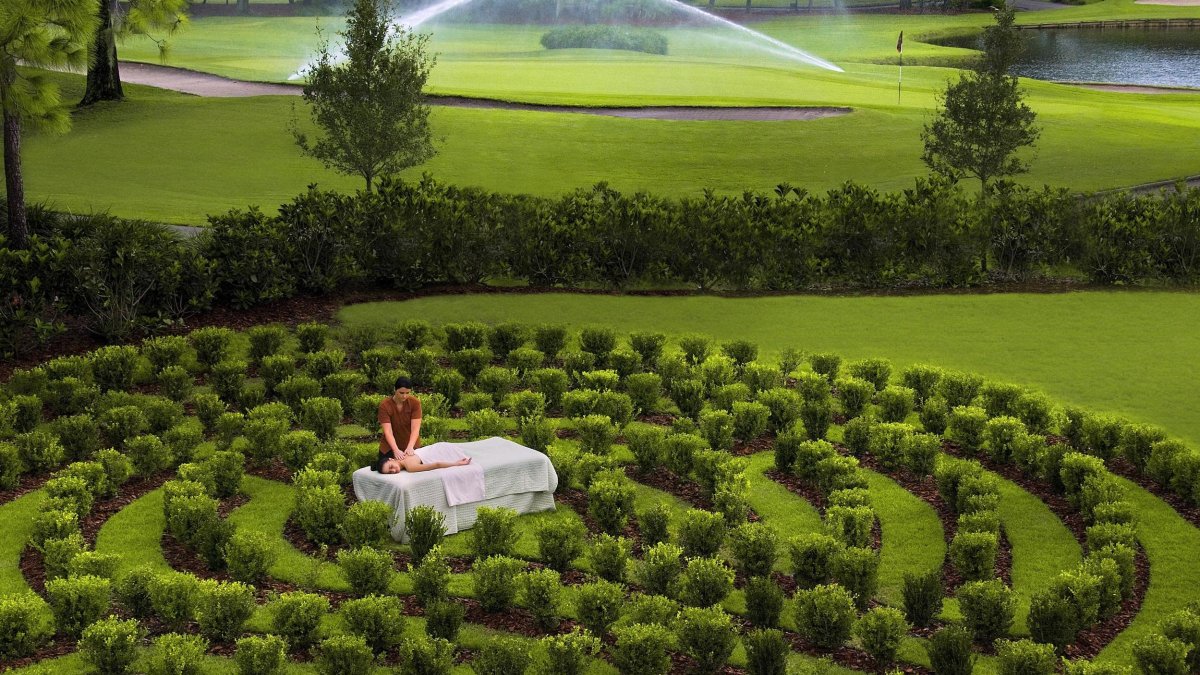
x=320 y=512
x=609 y=556
x=707 y=635
x=922 y=596
x=1052 y=619
x=110 y=645
x=922 y=379
x=344 y=655
x=297 y=616
x=568 y=654
x=540 y=591
x=764 y=602
x=493 y=579
x=965 y=427
x=176 y=654
x=1160 y=655
x=484 y=424
x=895 y=403
x=367 y=524
x=368 y=570
x=39 y=451
x=988 y=608
x=974 y=554
x=660 y=568
x=260 y=655
x=950 y=651
x=816 y=416
x=148 y=454
x=825 y=615
x=378 y=619
x=502 y=656
x=755 y=547
x=321 y=415
x=425 y=527
x=959 y=389
x=78 y=602
x=249 y=555
x=610 y=501
x=812 y=557
x=766 y=652
x=880 y=632
x=494 y=532
x=704 y=582
x=857 y=569
x=223 y=608
x=598 y=604
x=701 y=533
x=23 y=625
x=653 y=524
x=431 y=577
x=173 y=596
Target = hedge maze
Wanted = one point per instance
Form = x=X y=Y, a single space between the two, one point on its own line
x=183 y=506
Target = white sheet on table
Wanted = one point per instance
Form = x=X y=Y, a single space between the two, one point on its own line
x=515 y=477
x=462 y=483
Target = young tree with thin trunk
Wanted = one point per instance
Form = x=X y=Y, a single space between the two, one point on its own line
x=35 y=34
x=983 y=120
x=138 y=17
x=373 y=118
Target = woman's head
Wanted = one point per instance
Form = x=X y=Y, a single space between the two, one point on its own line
x=391 y=466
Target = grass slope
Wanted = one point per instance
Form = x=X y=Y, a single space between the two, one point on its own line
x=1126 y=352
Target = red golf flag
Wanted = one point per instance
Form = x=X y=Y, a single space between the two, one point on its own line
x=900 y=43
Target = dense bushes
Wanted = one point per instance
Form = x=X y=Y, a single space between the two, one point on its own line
x=606 y=36
x=851 y=235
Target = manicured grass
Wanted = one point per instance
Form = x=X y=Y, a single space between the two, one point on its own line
x=1041 y=546
x=1130 y=353
x=17 y=517
x=207 y=156
x=1171 y=544
x=912 y=540
x=135 y=533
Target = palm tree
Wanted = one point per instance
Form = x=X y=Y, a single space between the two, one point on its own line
x=36 y=34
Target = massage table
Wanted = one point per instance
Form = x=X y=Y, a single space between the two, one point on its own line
x=514 y=477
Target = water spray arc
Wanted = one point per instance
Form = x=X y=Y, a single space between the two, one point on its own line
x=756 y=39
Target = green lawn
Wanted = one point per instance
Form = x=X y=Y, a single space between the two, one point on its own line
x=1128 y=352
x=178 y=158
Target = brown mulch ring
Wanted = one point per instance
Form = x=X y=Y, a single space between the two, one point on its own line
x=1124 y=468
x=664 y=479
x=459 y=564
x=517 y=620
x=578 y=501
x=1092 y=641
x=562 y=432
x=294 y=534
x=33 y=568
x=25 y=484
x=275 y=470
x=800 y=487
x=59 y=646
x=849 y=657
x=660 y=419
x=760 y=444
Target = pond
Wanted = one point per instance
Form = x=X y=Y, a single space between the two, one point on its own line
x=1154 y=57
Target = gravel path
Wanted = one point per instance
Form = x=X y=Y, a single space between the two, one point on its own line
x=204 y=84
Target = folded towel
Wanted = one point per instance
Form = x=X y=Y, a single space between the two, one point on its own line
x=464 y=483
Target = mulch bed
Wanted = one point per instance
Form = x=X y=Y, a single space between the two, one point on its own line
x=664 y=479
x=459 y=564
x=275 y=470
x=855 y=659
x=33 y=568
x=800 y=487
x=1091 y=641
x=26 y=483
x=760 y=444
x=59 y=646
x=1124 y=468
x=578 y=501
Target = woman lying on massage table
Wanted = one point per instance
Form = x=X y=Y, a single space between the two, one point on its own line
x=400 y=417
